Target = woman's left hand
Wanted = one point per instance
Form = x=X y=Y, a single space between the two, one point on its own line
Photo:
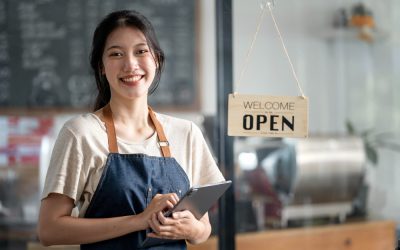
x=181 y=225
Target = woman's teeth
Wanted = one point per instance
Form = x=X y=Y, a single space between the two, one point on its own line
x=132 y=79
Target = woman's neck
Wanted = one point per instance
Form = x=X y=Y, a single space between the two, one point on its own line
x=131 y=120
x=136 y=111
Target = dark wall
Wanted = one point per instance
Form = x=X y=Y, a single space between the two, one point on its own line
x=45 y=44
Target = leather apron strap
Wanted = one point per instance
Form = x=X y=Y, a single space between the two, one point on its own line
x=110 y=128
x=162 y=140
x=112 y=137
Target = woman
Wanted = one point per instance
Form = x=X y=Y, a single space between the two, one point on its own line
x=116 y=165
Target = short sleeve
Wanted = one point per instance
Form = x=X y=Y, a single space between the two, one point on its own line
x=205 y=169
x=64 y=174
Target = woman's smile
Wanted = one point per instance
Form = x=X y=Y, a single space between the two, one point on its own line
x=131 y=80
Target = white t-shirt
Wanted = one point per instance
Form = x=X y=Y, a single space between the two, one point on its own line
x=81 y=149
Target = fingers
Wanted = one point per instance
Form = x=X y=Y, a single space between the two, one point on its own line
x=163 y=231
x=177 y=218
x=163 y=202
x=165 y=235
x=185 y=214
x=182 y=225
x=168 y=201
x=154 y=223
x=159 y=223
x=171 y=198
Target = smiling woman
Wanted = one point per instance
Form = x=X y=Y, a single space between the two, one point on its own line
x=122 y=190
x=128 y=63
x=124 y=52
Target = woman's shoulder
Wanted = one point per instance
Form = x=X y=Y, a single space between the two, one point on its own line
x=84 y=124
x=181 y=126
x=175 y=122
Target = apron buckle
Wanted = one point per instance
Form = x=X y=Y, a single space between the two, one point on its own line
x=163 y=143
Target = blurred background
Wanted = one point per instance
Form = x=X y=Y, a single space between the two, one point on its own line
x=339 y=185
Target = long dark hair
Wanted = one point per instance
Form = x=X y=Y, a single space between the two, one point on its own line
x=122 y=18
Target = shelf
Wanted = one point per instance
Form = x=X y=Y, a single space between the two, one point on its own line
x=353 y=34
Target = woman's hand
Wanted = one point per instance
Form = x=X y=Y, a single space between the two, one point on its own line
x=182 y=225
x=160 y=203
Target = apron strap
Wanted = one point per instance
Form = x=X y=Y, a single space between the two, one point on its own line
x=112 y=137
x=162 y=140
x=110 y=128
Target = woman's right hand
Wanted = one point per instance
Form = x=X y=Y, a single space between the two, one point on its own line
x=160 y=202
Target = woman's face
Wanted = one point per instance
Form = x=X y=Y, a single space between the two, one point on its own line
x=128 y=63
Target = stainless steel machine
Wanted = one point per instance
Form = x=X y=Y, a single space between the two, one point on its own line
x=317 y=177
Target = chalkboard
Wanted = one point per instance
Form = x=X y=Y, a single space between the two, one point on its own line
x=45 y=46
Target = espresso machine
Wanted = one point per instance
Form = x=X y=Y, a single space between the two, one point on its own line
x=301 y=179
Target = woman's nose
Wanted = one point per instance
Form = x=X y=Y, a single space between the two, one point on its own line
x=130 y=63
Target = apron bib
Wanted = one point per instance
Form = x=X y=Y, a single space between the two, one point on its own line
x=128 y=184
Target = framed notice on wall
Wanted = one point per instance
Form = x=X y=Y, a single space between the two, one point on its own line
x=270 y=116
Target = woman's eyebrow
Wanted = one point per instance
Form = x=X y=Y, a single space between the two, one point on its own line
x=114 y=47
x=141 y=44
x=120 y=47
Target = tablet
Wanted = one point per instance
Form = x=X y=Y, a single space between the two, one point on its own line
x=198 y=200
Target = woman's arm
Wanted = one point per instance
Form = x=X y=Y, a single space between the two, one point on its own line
x=57 y=226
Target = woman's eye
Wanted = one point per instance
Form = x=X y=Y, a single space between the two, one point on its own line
x=141 y=51
x=115 y=54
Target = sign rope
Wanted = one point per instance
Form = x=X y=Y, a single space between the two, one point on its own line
x=260 y=19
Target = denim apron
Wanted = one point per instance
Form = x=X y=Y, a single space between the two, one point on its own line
x=128 y=184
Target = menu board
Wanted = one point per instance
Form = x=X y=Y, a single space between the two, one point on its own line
x=45 y=46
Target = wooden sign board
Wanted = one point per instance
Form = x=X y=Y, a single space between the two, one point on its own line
x=270 y=116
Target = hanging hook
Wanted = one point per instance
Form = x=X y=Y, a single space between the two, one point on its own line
x=267 y=3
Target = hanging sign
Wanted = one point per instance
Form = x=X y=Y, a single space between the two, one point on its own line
x=270 y=116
